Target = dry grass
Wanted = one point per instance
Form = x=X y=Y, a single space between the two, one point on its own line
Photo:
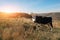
x=56 y=23
x=25 y=29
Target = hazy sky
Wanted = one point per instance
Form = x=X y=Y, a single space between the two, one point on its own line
x=31 y=5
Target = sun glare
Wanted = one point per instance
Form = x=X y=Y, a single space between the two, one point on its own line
x=9 y=9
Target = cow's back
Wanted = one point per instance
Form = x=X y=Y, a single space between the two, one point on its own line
x=46 y=20
x=43 y=20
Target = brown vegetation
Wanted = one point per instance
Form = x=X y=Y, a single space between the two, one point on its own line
x=25 y=29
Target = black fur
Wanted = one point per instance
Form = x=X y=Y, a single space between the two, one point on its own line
x=44 y=20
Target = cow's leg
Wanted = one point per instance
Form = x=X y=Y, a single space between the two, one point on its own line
x=35 y=27
x=51 y=26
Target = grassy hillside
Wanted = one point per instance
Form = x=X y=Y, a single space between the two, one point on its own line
x=21 y=27
x=14 y=15
x=25 y=29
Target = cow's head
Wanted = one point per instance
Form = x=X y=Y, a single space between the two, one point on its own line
x=33 y=19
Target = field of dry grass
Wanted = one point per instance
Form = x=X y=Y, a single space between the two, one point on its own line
x=25 y=29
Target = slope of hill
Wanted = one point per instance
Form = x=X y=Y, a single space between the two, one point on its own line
x=14 y=15
x=25 y=29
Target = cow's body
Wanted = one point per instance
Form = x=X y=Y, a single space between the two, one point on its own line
x=43 y=20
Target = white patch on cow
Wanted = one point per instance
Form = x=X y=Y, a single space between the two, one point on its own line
x=33 y=19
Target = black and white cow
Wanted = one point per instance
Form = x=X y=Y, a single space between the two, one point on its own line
x=43 y=20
